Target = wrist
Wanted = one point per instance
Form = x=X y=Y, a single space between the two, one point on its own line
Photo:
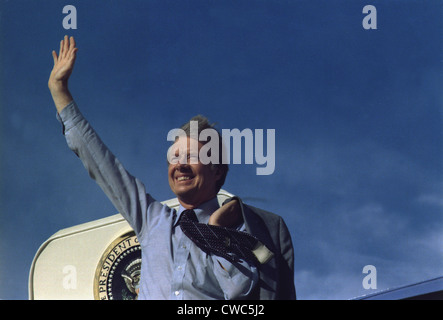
x=60 y=94
x=57 y=86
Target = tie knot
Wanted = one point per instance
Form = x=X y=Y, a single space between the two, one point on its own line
x=189 y=214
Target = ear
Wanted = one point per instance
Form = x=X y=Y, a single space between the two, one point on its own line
x=218 y=173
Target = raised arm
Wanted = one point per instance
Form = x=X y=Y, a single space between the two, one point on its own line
x=63 y=66
x=126 y=192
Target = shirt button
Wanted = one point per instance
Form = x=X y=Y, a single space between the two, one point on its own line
x=179 y=268
x=177 y=293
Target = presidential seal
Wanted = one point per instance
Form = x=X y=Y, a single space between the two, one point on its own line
x=118 y=273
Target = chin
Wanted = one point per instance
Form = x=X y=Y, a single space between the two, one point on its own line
x=185 y=193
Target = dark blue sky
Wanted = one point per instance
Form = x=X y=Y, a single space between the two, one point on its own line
x=357 y=115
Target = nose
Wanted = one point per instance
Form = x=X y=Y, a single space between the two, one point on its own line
x=182 y=160
x=181 y=165
x=181 y=168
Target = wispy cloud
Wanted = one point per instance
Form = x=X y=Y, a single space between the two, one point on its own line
x=356 y=204
x=431 y=199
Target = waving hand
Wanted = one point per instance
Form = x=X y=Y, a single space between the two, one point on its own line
x=63 y=66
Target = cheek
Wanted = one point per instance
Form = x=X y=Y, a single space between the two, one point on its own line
x=170 y=173
x=207 y=176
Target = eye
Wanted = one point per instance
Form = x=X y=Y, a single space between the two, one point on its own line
x=173 y=160
x=193 y=158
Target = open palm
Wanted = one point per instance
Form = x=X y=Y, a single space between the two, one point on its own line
x=64 y=62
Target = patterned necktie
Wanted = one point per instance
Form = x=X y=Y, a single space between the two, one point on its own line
x=231 y=244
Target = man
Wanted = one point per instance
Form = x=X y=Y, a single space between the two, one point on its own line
x=174 y=264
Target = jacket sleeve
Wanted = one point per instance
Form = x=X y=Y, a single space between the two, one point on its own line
x=287 y=287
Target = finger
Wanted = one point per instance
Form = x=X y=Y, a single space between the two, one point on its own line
x=60 y=52
x=54 y=56
x=72 y=47
x=73 y=54
x=72 y=42
x=65 y=46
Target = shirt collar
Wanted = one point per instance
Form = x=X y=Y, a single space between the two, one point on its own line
x=203 y=211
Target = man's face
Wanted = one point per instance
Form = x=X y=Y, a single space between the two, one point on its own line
x=193 y=182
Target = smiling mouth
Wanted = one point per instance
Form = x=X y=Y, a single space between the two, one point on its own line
x=184 y=178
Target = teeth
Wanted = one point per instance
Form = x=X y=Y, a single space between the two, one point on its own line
x=183 y=178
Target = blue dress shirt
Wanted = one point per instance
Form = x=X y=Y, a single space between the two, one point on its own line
x=173 y=267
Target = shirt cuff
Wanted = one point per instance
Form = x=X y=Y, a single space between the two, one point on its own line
x=69 y=116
